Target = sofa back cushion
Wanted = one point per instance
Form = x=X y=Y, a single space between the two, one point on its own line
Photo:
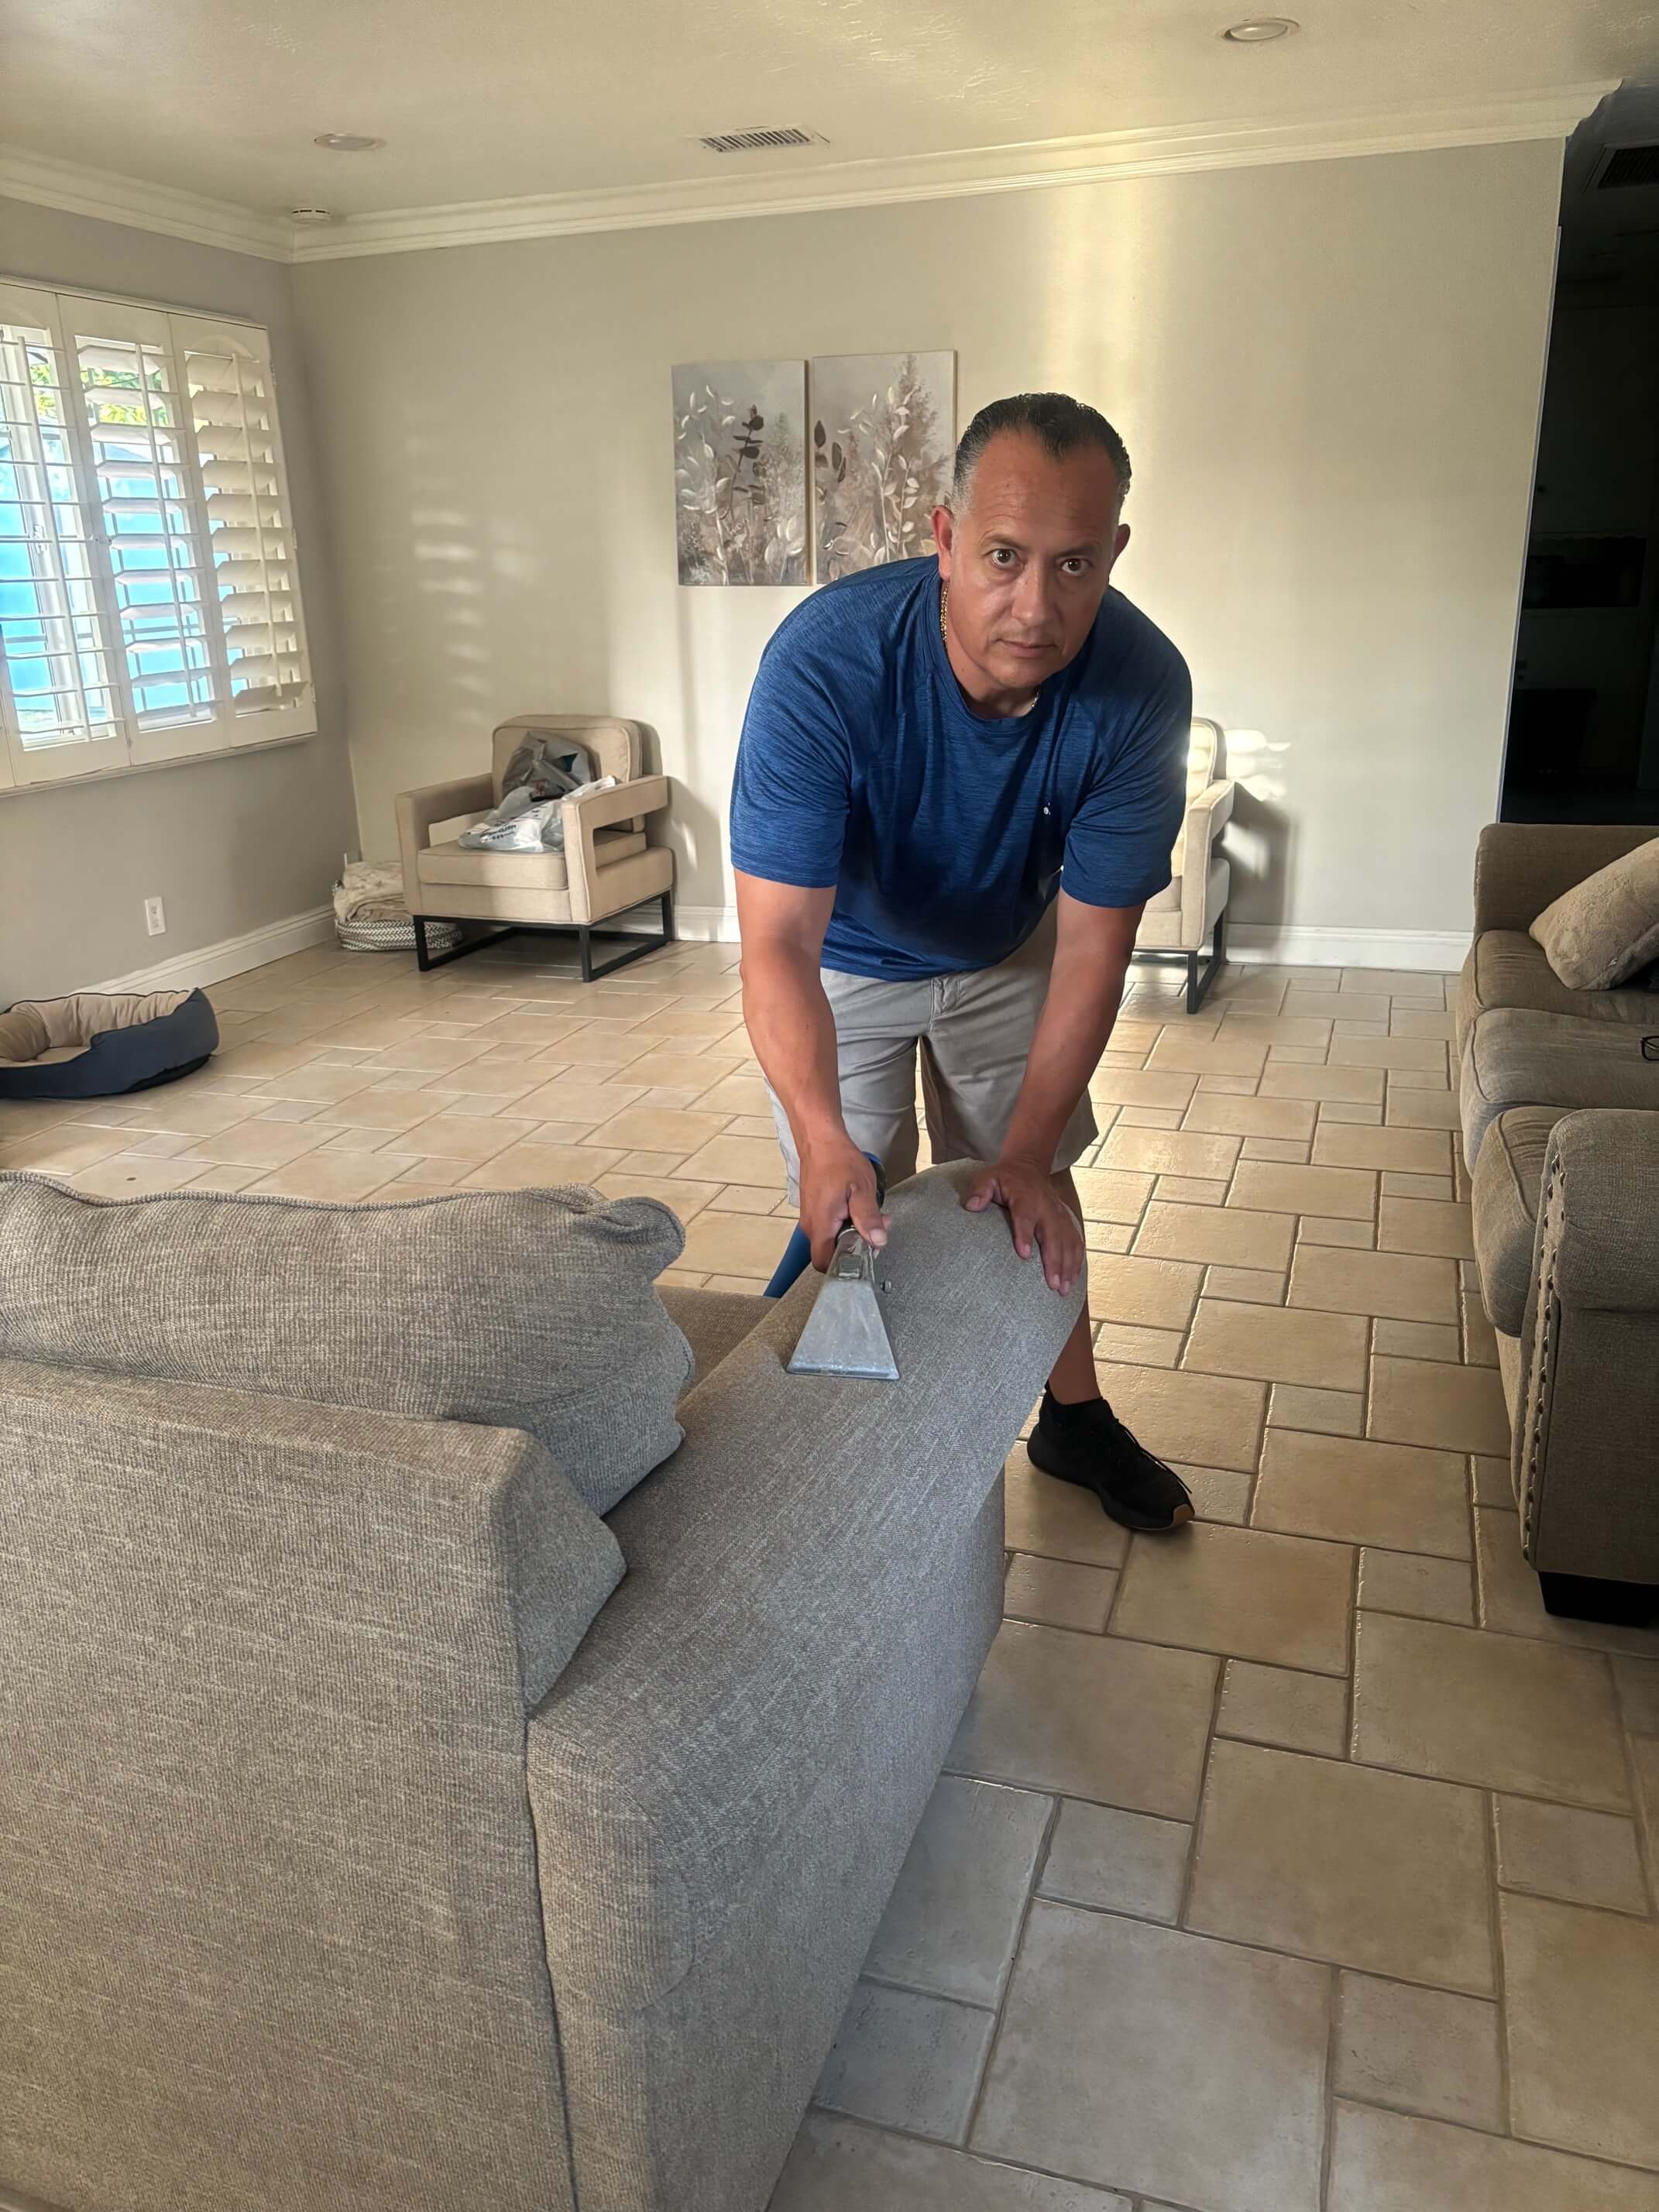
x=530 y=1309
x=1608 y=927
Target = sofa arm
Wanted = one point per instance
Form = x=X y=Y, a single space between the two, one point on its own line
x=599 y=809
x=435 y=802
x=1520 y=866
x=1206 y=817
x=1598 y=1234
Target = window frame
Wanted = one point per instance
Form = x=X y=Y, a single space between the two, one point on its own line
x=144 y=740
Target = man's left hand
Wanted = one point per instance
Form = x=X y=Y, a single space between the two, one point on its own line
x=1039 y=1217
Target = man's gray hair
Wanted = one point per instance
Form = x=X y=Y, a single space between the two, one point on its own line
x=1061 y=425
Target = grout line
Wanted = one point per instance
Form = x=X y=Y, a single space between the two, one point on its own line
x=1039 y=1865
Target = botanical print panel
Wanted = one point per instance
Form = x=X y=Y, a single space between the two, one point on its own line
x=884 y=436
x=740 y=471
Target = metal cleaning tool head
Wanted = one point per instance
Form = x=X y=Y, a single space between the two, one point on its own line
x=845 y=1333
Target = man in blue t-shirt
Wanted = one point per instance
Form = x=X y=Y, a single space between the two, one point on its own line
x=959 y=782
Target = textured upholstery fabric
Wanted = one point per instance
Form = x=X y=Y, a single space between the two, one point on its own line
x=1505 y=967
x=530 y=1309
x=615 y=747
x=269 y=1912
x=1608 y=927
x=1590 y=1410
x=1515 y=1057
x=714 y=1323
x=1507 y=1179
x=454 y=863
x=1170 y=925
x=815 y=1579
x=1520 y=866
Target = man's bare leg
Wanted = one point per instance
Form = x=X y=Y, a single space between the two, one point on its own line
x=1074 y=1378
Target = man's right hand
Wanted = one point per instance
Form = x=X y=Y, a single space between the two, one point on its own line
x=838 y=1184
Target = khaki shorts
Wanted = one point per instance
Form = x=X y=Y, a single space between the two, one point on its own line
x=975 y=1033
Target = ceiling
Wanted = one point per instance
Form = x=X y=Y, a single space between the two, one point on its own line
x=497 y=98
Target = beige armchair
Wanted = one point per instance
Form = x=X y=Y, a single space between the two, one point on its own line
x=1179 y=921
x=606 y=870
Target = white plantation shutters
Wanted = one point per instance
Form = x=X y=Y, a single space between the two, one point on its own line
x=150 y=607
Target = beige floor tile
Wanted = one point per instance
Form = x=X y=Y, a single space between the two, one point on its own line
x=1349 y=1236
x=261 y=1144
x=1116 y=1340
x=1493 y=1484
x=1108 y=1194
x=1638 y=1684
x=1332 y=1005
x=1280 y=1707
x=1644 y=1765
x=1225 y=1086
x=1367 y=1116
x=1358 y=1492
x=1116 y=1862
x=129 y=1174
x=1499 y=1712
x=1348 y=1193
x=1246 y=1593
x=1402 y=1285
x=1512 y=1602
x=1421 y=1021
x=63 y=1147
x=839 y=2164
x=640 y=1162
x=1189 y=1190
x=1193 y=1054
x=1058 y=1593
x=472 y=1138
x=1423 y=1109
x=1151 y=1293
x=1426 y=1589
x=746 y=1286
x=341 y=1178
x=1278 y=1344
x=1282 y=1151
x=1228 y=1237
x=390 y=1109
x=269 y=1060
x=1417 y=1339
x=1296 y=1055
x=1358 y=1085
x=1388 y=2162
x=733 y=1244
x=1321 y=1412
x=1137 y=1086
x=1333 y=1861
x=1425 y=1224
x=753 y=1160
x=1251 y=1116
x=905 y=2061
x=283 y=1110
x=227 y=1179
x=950 y=1923
x=603 y=1044
x=1417 y=1401
x=1564 y=1852
x=1108 y=1236
x=1092 y=1716
x=1427 y=1053
x=1109 y=2024
x=687 y=1070
x=736 y=1094
x=687 y=1200
x=1437 y=1191
x=1170 y=1151
x=1310 y=1031
x=740 y=1198
x=1425 y=2049
x=1412 y=1152
x=645 y=1128
x=1212 y=1420
x=1057 y=1520
x=1219 y=1493
x=1256 y=1286
x=1582 y=2008
x=535 y=1165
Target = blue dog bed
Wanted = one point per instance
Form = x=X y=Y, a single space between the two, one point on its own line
x=93 y=1046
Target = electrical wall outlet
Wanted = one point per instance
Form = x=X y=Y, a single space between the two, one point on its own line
x=155 y=919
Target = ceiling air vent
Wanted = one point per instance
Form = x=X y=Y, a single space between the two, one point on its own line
x=774 y=140
x=1622 y=166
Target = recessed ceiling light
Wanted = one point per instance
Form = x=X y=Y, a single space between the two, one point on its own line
x=349 y=142
x=1259 y=29
x=316 y=216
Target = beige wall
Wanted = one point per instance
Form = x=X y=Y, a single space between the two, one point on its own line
x=1328 y=374
x=231 y=845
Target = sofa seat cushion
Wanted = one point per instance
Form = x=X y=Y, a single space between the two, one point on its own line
x=716 y=1322
x=532 y=1309
x=1508 y=1177
x=453 y=863
x=1506 y=968
x=1515 y=1057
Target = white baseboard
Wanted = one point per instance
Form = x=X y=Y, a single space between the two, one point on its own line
x=232 y=956
x=1433 y=951
x=1427 y=951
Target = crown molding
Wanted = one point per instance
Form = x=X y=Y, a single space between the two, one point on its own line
x=1029 y=167
x=79 y=189
x=1024 y=168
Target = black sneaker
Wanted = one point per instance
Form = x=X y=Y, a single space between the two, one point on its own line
x=1087 y=1444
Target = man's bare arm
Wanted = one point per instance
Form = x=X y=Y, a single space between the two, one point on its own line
x=793 y=1034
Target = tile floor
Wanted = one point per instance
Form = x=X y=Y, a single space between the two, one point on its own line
x=1299 y=1863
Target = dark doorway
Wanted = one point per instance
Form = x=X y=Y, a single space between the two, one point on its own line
x=1584 y=741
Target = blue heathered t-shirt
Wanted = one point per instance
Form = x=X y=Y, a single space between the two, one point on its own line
x=946 y=835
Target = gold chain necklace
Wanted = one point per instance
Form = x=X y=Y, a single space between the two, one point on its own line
x=943 y=605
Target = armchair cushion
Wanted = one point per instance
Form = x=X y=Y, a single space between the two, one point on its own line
x=530 y=1309
x=1606 y=927
x=452 y=863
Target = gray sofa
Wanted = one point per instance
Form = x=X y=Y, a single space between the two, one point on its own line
x=330 y=1883
x=1560 y=1127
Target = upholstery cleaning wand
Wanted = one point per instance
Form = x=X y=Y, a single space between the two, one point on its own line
x=845 y=1333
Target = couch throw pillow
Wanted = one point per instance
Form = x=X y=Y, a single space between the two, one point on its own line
x=1606 y=927
x=530 y=1309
